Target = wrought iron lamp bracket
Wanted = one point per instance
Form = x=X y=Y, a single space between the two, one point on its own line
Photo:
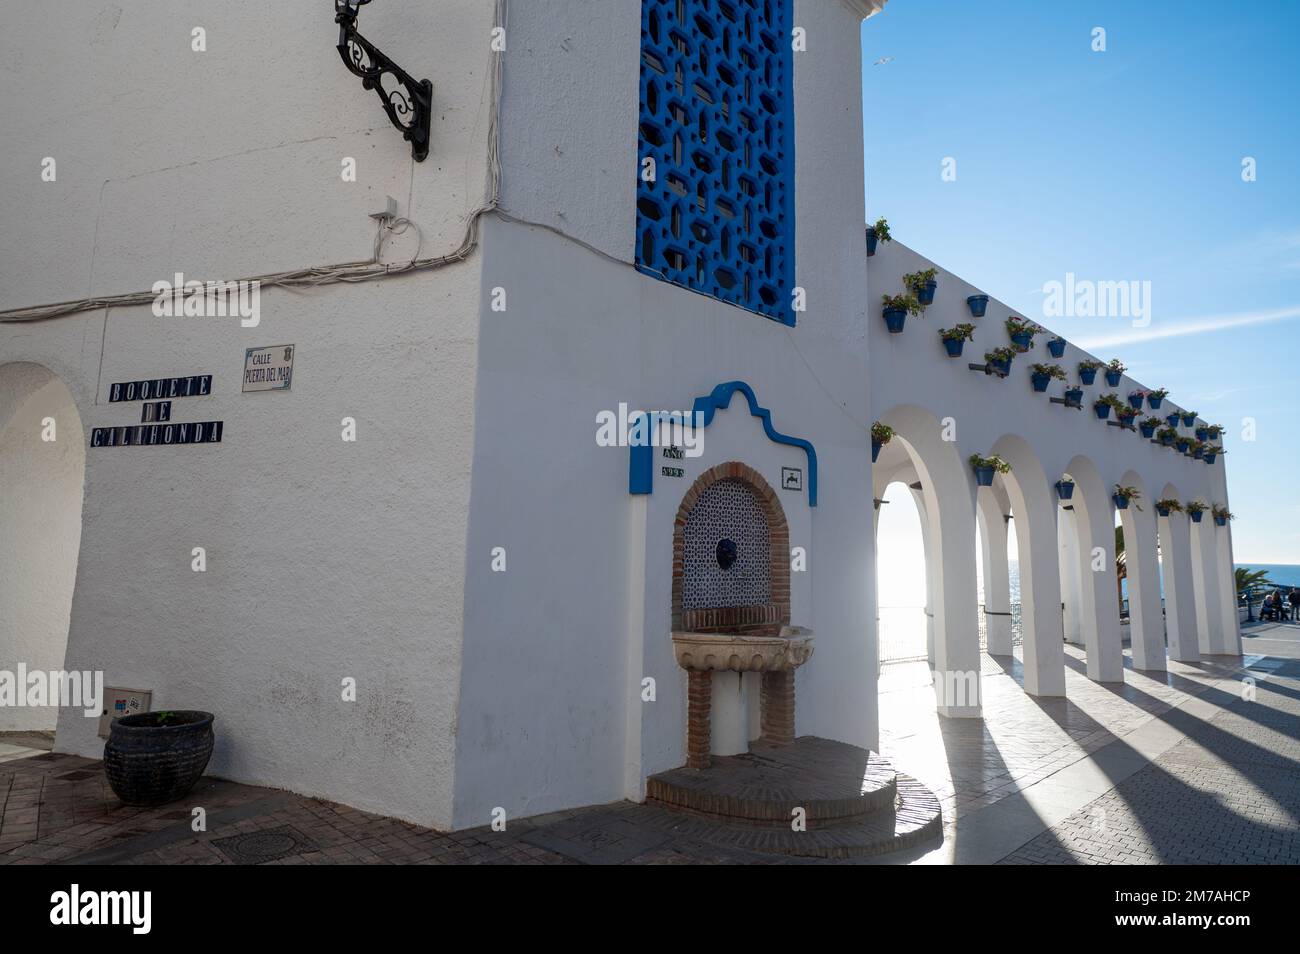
x=407 y=101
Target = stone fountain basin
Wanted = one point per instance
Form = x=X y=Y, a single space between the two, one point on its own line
x=735 y=652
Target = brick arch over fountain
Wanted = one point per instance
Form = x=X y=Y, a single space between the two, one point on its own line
x=947 y=494
x=762 y=616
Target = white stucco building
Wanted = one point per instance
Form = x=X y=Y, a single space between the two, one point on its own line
x=427 y=510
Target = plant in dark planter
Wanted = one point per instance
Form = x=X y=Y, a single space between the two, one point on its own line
x=955 y=337
x=1167 y=436
x=1126 y=415
x=1156 y=398
x=1202 y=433
x=1148 y=427
x=1114 y=371
x=1195 y=510
x=1105 y=404
x=1173 y=418
x=895 y=310
x=922 y=285
x=1123 y=495
x=1065 y=488
x=1167 y=505
x=1088 y=370
x=1182 y=444
x=1211 y=452
x=881 y=434
x=986 y=467
x=1221 y=515
x=1189 y=418
x=1022 y=333
x=1197 y=450
x=1074 y=396
x=156 y=757
x=1135 y=399
x=877 y=233
x=1212 y=432
x=1041 y=375
x=1056 y=347
x=977 y=304
x=999 y=359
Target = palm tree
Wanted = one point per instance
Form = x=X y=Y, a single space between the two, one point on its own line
x=1248 y=579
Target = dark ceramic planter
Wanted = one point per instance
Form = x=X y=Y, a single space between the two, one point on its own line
x=1103 y=411
x=1074 y=395
x=1163 y=511
x=1022 y=340
x=1135 y=401
x=1112 y=378
x=954 y=346
x=150 y=764
x=1065 y=489
x=1188 y=420
x=1209 y=458
x=925 y=294
x=872 y=239
x=1002 y=367
x=1196 y=517
x=1121 y=503
x=977 y=305
x=1155 y=402
x=1202 y=434
x=1087 y=375
x=1056 y=347
x=875 y=449
x=1172 y=419
x=1148 y=430
x=1220 y=521
x=895 y=319
x=1040 y=381
x=984 y=476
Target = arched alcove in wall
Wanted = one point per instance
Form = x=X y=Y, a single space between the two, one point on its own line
x=1094 y=530
x=42 y=480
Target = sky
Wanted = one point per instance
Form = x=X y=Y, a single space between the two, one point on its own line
x=1117 y=165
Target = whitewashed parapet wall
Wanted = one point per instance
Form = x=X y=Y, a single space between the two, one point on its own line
x=918 y=389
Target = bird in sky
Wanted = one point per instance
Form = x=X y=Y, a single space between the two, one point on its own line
x=882 y=61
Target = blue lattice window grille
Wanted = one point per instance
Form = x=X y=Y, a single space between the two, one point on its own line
x=717 y=117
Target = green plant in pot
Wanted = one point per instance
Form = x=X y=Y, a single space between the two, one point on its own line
x=1167 y=505
x=877 y=233
x=1021 y=332
x=881 y=434
x=955 y=338
x=986 y=467
x=1167 y=436
x=1123 y=496
x=999 y=360
x=1114 y=371
x=1088 y=370
x=1041 y=375
x=1156 y=398
x=1221 y=515
x=1149 y=426
x=156 y=757
x=922 y=285
x=1195 y=510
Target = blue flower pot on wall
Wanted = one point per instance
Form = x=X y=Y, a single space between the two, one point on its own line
x=1209 y=457
x=1198 y=453
x=1135 y=401
x=984 y=476
x=1155 y=402
x=1163 y=511
x=1167 y=441
x=1197 y=515
x=1022 y=340
x=954 y=346
x=1220 y=521
x=1103 y=411
x=1112 y=378
x=1202 y=434
x=1087 y=375
x=1056 y=347
x=1065 y=489
x=1040 y=381
x=1121 y=502
x=1002 y=367
x=925 y=294
x=1188 y=420
x=1172 y=419
x=977 y=305
x=1148 y=430
x=872 y=238
x=875 y=449
x=894 y=320
x=1074 y=395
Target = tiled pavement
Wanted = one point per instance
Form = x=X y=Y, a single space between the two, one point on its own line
x=1222 y=786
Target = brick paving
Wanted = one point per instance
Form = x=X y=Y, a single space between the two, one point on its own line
x=1228 y=791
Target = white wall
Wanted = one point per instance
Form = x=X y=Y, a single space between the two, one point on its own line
x=326 y=559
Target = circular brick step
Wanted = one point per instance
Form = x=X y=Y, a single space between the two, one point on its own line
x=916 y=820
x=832 y=782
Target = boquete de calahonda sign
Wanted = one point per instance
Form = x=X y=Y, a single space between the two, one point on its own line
x=156 y=428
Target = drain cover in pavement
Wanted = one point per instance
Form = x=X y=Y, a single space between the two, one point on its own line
x=259 y=847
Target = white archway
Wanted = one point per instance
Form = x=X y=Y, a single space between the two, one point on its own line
x=42 y=480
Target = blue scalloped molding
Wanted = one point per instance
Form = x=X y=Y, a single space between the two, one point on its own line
x=641 y=466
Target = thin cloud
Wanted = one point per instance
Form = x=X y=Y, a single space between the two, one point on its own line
x=1183 y=329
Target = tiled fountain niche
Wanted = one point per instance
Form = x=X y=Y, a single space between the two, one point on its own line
x=731 y=614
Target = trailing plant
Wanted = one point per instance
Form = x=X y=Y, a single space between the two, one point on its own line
x=1159 y=394
x=1000 y=355
x=882 y=230
x=907 y=303
x=1214 y=449
x=962 y=332
x=1153 y=422
x=1214 y=430
x=1139 y=394
x=1051 y=370
x=1167 y=434
x=1090 y=364
x=1115 y=365
x=1169 y=505
x=1221 y=513
x=1128 y=493
x=997 y=463
x=1016 y=326
x=918 y=280
x=1193 y=506
x=881 y=433
x=1112 y=401
x=1186 y=414
x=1126 y=413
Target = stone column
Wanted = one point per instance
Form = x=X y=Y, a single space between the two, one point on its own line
x=1180 y=598
x=777 y=695
x=997 y=578
x=699 y=702
x=1205 y=577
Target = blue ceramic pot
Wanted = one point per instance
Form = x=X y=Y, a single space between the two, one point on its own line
x=1148 y=430
x=1103 y=411
x=925 y=294
x=1022 y=340
x=875 y=449
x=1065 y=489
x=1087 y=375
x=894 y=320
x=984 y=476
x=1155 y=402
x=1112 y=378
x=1121 y=503
x=954 y=346
x=1040 y=381
x=1056 y=347
x=977 y=305
x=1197 y=515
